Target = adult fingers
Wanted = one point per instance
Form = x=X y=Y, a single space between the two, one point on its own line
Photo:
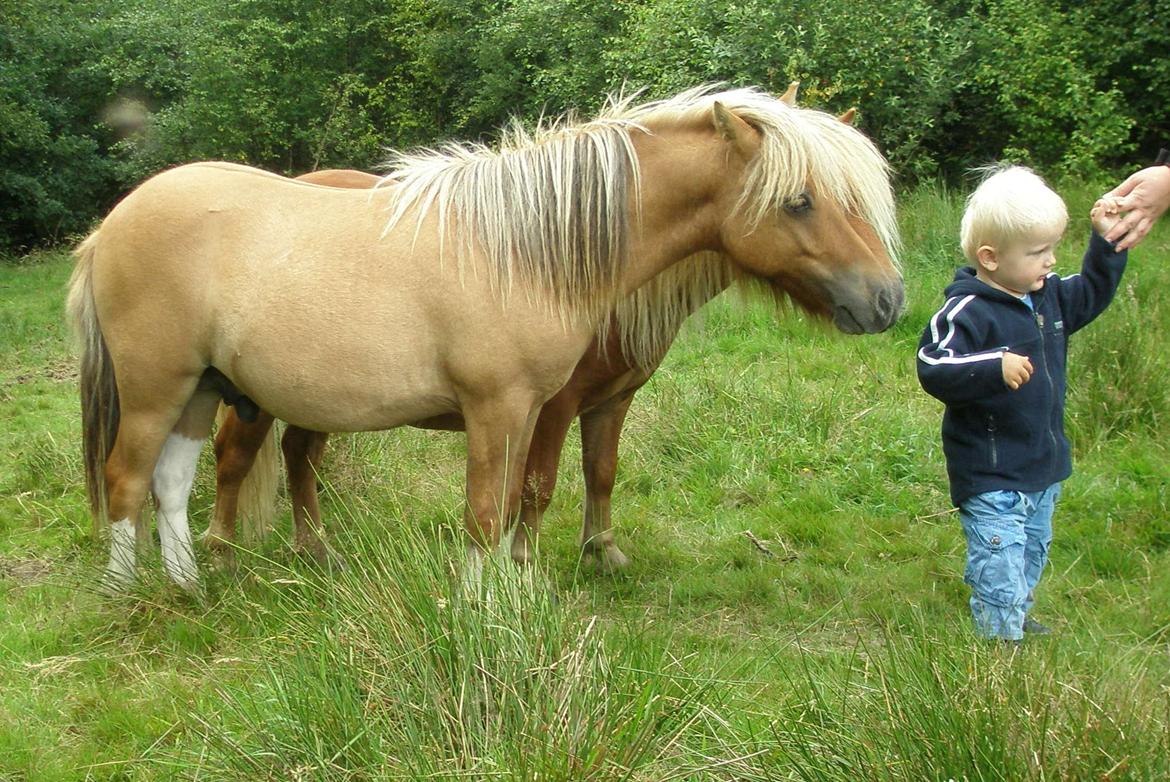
x=1124 y=227
x=1135 y=235
x=1125 y=188
x=1118 y=231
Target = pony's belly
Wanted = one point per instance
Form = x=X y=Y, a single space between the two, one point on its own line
x=334 y=385
x=346 y=407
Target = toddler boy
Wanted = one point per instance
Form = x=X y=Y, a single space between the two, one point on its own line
x=995 y=355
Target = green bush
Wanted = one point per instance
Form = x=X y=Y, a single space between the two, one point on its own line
x=1029 y=92
x=98 y=94
x=1127 y=44
x=897 y=67
x=538 y=57
x=54 y=173
x=289 y=86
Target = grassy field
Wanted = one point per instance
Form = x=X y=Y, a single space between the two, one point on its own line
x=841 y=653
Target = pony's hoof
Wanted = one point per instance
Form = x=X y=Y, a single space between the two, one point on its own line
x=223 y=554
x=522 y=550
x=335 y=562
x=614 y=561
x=193 y=588
x=323 y=555
x=225 y=560
x=609 y=557
x=116 y=582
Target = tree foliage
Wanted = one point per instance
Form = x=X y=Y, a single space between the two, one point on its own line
x=95 y=95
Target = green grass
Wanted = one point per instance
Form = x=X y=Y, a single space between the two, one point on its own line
x=844 y=655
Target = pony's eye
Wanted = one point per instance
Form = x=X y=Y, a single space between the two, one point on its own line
x=799 y=204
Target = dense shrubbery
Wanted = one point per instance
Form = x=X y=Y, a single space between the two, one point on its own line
x=96 y=94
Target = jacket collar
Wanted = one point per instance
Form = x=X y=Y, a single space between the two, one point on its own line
x=966 y=284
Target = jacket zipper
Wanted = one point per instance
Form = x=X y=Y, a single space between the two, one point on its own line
x=1038 y=319
x=991 y=438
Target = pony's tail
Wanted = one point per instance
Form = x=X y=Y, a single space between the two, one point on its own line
x=256 y=504
x=100 y=410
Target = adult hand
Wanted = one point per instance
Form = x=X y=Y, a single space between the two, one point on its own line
x=1141 y=199
x=1017 y=370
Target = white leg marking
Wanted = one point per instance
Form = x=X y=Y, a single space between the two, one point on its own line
x=473 y=574
x=173 y=476
x=120 y=571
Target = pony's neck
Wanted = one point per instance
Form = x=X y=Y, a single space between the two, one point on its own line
x=683 y=200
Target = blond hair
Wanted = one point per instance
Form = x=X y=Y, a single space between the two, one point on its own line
x=1009 y=204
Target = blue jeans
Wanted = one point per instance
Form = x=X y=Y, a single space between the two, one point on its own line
x=1008 y=534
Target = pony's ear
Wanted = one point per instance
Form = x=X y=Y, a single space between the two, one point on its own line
x=736 y=132
x=789 y=95
x=848 y=116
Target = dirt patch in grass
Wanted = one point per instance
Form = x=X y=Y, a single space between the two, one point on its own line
x=62 y=371
x=24 y=571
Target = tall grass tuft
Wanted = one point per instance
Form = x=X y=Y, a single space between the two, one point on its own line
x=392 y=668
x=920 y=707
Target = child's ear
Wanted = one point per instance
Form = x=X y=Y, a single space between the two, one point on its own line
x=987 y=257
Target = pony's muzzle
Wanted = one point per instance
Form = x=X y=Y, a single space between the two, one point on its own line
x=871 y=312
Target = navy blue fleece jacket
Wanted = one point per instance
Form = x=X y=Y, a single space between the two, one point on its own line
x=995 y=438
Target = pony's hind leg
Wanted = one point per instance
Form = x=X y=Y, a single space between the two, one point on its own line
x=303 y=450
x=236 y=446
x=601 y=430
x=127 y=487
x=146 y=419
x=174 y=474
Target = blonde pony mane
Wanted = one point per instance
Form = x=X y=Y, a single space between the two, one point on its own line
x=550 y=208
x=648 y=319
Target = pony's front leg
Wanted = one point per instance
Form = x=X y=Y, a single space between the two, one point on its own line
x=601 y=430
x=540 y=470
x=498 y=435
x=236 y=446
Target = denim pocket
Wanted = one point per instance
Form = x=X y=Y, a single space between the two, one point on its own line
x=993 y=525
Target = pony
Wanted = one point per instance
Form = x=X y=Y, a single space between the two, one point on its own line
x=599 y=393
x=471 y=283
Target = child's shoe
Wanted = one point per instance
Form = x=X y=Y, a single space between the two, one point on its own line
x=1032 y=627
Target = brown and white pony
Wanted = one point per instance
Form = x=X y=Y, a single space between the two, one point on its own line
x=472 y=284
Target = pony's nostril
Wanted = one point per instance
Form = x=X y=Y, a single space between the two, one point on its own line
x=889 y=304
x=891 y=300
